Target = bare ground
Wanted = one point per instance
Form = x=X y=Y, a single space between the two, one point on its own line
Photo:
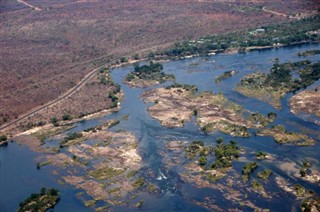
x=45 y=53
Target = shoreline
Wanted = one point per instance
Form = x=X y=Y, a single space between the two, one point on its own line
x=113 y=64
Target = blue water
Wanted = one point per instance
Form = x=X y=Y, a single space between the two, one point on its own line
x=19 y=176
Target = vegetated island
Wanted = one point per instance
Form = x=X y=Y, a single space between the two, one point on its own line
x=307 y=101
x=147 y=75
x=46 y=199
x=308 y=53
x=273 y=86
x=282 y=136
x=80 y=160
x=212 y=166
x=225 y=75
x=176 y=104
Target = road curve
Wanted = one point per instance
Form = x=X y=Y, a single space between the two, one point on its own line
x=71 y=91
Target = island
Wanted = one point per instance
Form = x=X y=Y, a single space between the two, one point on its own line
x=225 y=75
x=282 y=136
x=307 y=101
x=147 y=75
x=273 y=86
x=103 y=164
x=176 y=104
x=308 y=53
x=46 y=199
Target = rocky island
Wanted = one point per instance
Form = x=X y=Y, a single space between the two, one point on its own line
x=176 y=104
x=307 y=101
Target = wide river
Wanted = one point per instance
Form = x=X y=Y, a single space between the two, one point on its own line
x=20 y=178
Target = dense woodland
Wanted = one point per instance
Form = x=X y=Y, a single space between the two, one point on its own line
x=304 y=30
x=153 y=71
x=281 y=76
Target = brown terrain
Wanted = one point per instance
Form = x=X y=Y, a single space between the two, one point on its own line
x=47 y=47
x=307 y=101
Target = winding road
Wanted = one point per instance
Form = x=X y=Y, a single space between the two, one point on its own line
x=48 y=104
x=77 y=87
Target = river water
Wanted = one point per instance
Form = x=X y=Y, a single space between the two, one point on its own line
x=19 y=176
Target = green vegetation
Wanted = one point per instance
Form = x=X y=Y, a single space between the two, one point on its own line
x=40 y=164
x=257 y=186
x=106 y=173
x=265 y=174
x=66 y=117
x=138 y=183
x=302 y=191
x=271 y=87
x=247 y=169
x=139 y=204
x=152 y=188
x=202 y=160
x=260 y=120
x=70 y=137
x=114 y=123
x=308 y=53
x=113 y=190
x=153 y=72
x=123 y=60
x=132 y=173
x=47 y=198
x=225 y=75
x=90 y=203
x=54 y=121
x=227 y=128
x=283 y=33
x=186 y=87
x=281 y=135
x=310 y=204
x=213 y=177
x=193 y=149
x=261 y=155
x=44 y=134
x=225 y=154
x=3 y=138
x=307 y=164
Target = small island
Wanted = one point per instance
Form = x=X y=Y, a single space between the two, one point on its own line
x=147 y=75
x=47 y=198
x=280 y=81
x=225 y=75
x=308 y=53
x=282 y=136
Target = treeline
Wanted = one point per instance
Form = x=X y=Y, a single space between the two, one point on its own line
x=283 y=33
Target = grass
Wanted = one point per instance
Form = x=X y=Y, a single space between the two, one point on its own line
x=106 y=173
x=138 y=183
x=265 y=174
x=282 y=136
x=257 y=186
x=213 y=177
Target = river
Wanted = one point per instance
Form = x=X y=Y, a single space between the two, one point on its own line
x=19 y=176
